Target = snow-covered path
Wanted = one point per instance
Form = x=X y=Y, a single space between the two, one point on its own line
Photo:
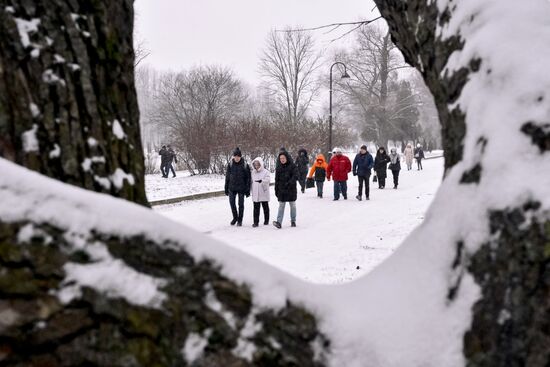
x=333 y=238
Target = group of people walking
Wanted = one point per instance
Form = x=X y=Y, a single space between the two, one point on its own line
x=242 y=181
x=167 y=157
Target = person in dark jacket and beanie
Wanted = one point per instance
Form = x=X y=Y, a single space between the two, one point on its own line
x=237 y=184
x=302 y=162
x=395 y=166
x=338 y=168
x=362 y=164
x=381 y=166
x=419 y=156
x=286 y=175
x=171 y=159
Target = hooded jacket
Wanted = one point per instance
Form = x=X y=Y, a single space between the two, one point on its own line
x=381 y=163
x=319 y=168
x=260 y=190
x=286 y=176
x=408 y=153
x=339 y=167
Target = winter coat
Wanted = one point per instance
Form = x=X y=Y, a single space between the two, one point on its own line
x=237 y=177
x=397 y=165
x=418 y=153
x=319 y=168
x=362 y=164
x=286 y=176
x=339 y=167
x=165 y=156
x=408 y=153
x=381 y=164
x=302 y=162
x=172 y=156
x=259 y=190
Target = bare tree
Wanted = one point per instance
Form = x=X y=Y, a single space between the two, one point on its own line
x=197 y=107
x=288 y=65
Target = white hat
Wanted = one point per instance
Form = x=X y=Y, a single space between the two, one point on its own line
x=337 y=150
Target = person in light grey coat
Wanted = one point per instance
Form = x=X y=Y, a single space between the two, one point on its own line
x=259 y=190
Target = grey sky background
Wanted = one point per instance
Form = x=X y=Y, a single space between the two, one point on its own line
x=183 y=33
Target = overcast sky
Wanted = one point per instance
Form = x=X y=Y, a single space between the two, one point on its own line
x=183 y=33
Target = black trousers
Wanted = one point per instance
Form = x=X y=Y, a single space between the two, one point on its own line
x=419 y=163
x=395 y=177
x=232 y=196
x=265 y=206
x=364 y=180
x=302 y=176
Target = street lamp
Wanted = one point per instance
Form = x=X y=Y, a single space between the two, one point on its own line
x=345 y=75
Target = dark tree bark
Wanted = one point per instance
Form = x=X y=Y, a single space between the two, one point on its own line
x=68 y=107
x=510 y=325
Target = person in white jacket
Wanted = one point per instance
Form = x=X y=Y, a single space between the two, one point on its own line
x=259 y=190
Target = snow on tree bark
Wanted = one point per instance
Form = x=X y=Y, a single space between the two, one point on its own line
x=452 y=45
x=68 y=107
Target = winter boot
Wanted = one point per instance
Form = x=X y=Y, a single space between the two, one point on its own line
x=358 y=198
x=233 y=221
x=367 y=198
x=255 y=225
x=266 y=222
x=277 y=224
x=293 y=224
x=239 y=224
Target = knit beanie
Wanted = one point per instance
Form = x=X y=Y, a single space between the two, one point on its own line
x=237 y=152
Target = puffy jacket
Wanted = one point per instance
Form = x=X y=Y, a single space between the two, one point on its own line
x=362 y=164
x=237 y=177
x=419 y=153
x=339 y=167
x=408 y=153
x=286 y=176
x=319 y=168
x=260 y=190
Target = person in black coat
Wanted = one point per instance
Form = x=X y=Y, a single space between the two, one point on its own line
x=237 y=184
x=395 y=166
x=286 y=175
x=302 y=162
x=419 y=156
x=381 y=166
x=164 y=159
x=362 y=164
x=171 y=159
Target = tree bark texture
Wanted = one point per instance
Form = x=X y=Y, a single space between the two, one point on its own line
x=68 y=107
x=510 y=322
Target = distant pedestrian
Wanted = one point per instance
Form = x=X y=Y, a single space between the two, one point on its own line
x=362 y=165
x=237 y=184
x=171 y=159
x=395 y=166
x=260 y=190
x=302 y=162
x=408 y=153
x=164 y=159
x=381 y=166
x=338 y=168
x=319 y=173
x=419 y=156
x=286 y=175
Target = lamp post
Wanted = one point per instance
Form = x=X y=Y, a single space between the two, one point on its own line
x=345 y=75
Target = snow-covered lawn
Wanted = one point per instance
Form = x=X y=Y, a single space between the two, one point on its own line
x=159 y=188
x=332 y=238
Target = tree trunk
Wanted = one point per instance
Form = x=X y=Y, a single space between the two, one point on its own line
x=510 y=264
x=68 y=107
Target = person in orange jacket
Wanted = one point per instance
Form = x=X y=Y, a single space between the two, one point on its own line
x=319 y=170
x=338 y=168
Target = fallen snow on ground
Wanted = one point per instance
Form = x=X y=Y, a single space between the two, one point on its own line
x=183 y=184
x=332 y=238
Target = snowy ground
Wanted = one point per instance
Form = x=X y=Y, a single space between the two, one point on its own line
x=332 y=238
